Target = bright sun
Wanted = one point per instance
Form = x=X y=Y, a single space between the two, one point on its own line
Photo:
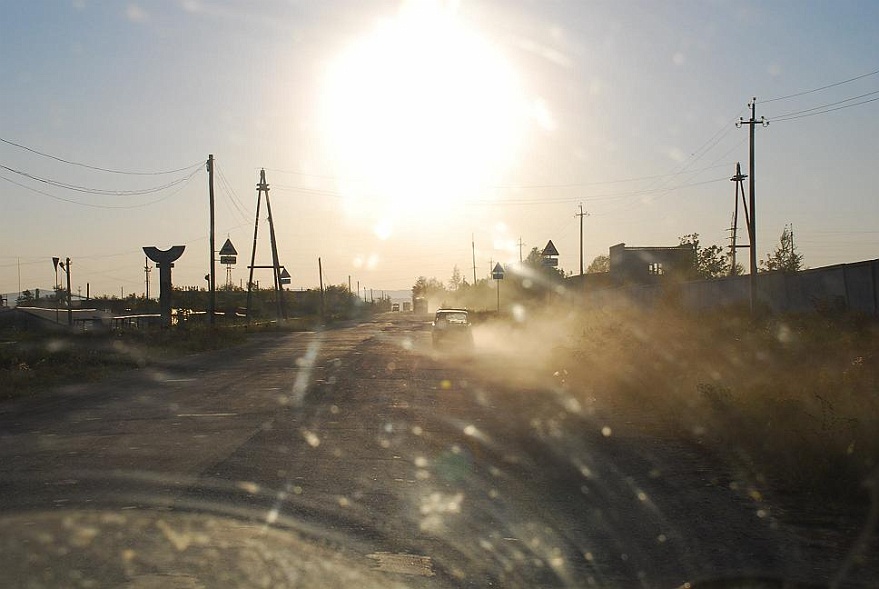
x=420 y=113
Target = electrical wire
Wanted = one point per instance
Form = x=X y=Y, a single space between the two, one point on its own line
x=232 y=196
x=608 y=196
x=833 y=85
x=798 y=112
x=793 y=116
x=98 y=168
x=99 y=191
x=98 y=206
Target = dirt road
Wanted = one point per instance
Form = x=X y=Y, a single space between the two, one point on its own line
x=360 y=455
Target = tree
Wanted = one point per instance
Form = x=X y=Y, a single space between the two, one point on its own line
x=708 y=262
x=785 y=257
x=25 y=297
x=426 y=287
x=601 y=263
x=456 y=281
x=535 y=261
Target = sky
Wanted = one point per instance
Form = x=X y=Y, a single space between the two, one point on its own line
x=403 y=139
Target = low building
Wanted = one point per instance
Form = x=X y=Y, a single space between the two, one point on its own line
x=641 y=265
x=646 y=265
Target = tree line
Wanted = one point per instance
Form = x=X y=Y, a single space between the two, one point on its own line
x=531 y=278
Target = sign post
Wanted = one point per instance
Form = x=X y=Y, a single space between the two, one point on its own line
x=497 y=273
x=549 y=255
x=228 y=257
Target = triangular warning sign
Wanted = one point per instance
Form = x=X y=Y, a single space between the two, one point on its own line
x=284 y=273
x=228 y=249
x=550 y=250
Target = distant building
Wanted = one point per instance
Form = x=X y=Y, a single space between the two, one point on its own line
x=641 y=265
x=645 y=265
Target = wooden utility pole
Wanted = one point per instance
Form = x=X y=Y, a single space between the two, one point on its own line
x=739 y=178
x=279 y=299
x=253 y=251
x=212 y=299
x=473 y=246
x=581 y=214
x=752 y=225
x=320 y=272
x=263 y=187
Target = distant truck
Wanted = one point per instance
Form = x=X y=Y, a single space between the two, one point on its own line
x=419 y=305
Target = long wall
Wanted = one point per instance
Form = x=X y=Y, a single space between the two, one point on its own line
x=855 y=286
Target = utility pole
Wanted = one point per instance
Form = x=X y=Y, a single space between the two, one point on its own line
x=520 y=243
x=739 y=179
x=473 y=244
x=253 y=251
x=323 y=308
x=581 y=214
x=752 y=225
x=277 y=264
x=212 y=300
x=263 y=187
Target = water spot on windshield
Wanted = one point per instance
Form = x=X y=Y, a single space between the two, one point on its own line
x=311 y=437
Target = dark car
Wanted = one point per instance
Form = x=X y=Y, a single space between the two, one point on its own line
x=452 y=327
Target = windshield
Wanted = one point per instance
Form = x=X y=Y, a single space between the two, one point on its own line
x=453 y=317
x=438 y=293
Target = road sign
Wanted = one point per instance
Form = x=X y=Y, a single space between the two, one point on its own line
x=285 y=276
x=550 y=249
x=550 y=262
x=228 y=253
x=228 y=249
x=498 y=272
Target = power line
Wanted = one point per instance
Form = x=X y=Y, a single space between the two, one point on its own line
x=608 y=196
x=97 y=206
x=97 y=191
x=232 y=196
x=807 y=113
x=98 y=168
x=833 y=85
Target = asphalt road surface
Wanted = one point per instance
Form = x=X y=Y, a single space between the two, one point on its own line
x=360 y=456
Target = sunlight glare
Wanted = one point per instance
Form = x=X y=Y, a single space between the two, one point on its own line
x=420 y=112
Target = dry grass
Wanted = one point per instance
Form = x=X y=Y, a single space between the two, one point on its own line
x=790 y=401
x=32 y=361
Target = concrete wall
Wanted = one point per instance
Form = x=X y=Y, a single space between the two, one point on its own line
x=854 y=286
